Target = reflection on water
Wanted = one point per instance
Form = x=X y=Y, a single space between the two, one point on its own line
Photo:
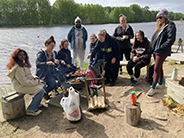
x=27 y=39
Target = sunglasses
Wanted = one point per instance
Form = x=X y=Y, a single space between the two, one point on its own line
x=159 y=18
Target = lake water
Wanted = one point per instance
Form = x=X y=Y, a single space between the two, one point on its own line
x=26 y=38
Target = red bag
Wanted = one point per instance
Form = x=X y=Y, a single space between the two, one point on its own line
x=91 y=74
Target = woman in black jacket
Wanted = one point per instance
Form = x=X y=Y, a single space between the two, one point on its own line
x=97 y=59
x=123 y=33
x=140 y=56
x=161 y=42
x=64 y=56
x=110 y=50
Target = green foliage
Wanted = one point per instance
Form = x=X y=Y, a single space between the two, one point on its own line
x=170 y=102
x=4 y=91
x=86 y=65
x=40 y=12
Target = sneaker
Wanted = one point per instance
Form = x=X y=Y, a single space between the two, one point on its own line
x=33 y=113
x=158 y=86
x=40 y=105
x=120 y=71
x=151 y=92
x=46 y=96
x=112 y=83
x=133 y=82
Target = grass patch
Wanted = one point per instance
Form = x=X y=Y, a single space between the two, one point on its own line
x=4 y=91
x=172 y=62
x=85 y=66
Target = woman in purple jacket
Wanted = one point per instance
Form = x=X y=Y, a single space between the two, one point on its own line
x=162 y=40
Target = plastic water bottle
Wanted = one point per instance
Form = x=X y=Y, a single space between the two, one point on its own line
x=133 y=98
x=174 y=74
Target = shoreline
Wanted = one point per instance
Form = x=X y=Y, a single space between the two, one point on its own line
x=62 y=25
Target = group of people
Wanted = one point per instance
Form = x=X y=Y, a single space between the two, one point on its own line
x=50 y=66
x=105 y=50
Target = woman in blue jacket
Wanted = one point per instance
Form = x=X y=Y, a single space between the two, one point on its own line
x=45 y=65
x=161 y=42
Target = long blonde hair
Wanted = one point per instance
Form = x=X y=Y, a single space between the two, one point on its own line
x=159 y=26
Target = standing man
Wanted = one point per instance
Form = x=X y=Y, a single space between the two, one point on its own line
x=77 y=36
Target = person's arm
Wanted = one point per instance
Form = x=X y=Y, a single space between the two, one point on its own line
x=41 y=60
x=115 y=50
x=69 y=36
x=86 y=35
x=70 y=58
x=146 y=53
x=96 y=49
x=171 y=36
x=133 y=52
x=116 y=35
x=20 y=76
x=131 y=33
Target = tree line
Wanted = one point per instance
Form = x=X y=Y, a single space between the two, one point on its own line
x=40 y=12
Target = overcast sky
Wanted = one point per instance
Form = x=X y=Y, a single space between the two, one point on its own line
x=170 y=5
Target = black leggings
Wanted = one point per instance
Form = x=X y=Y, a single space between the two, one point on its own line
x=138 y=65
x=111 y=70
x=125 y=52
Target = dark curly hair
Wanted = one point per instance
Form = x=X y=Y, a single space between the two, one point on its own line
x=14 y=59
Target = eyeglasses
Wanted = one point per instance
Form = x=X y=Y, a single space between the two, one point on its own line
x=159 y=18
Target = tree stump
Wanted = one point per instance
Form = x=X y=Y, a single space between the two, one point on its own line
x=13 y=105
x=132 y=113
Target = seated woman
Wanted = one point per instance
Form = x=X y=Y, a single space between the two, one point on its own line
x=23 y=81
x=45 y=65
x=94 y=41
x=110 y=51
x=139 y=56
x=97 y=59
x=64 y=56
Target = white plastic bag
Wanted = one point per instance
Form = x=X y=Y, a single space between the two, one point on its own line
x=71 y=105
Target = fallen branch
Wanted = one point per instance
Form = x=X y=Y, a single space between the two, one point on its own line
x=163 y=119
x=70 y=128
x=16 y=129
x=149 y=127
x=140 y=133
x=139 y=94
x=124 y=135
x=157 y=101
x=167 y=123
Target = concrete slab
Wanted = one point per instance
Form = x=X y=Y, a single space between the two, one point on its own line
x=178 y=57
x=175 y=90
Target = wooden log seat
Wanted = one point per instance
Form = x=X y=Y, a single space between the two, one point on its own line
x=13 y=105
x=132 y=113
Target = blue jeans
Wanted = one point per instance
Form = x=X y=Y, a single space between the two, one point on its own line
x=36 y=99
x=95 y=67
